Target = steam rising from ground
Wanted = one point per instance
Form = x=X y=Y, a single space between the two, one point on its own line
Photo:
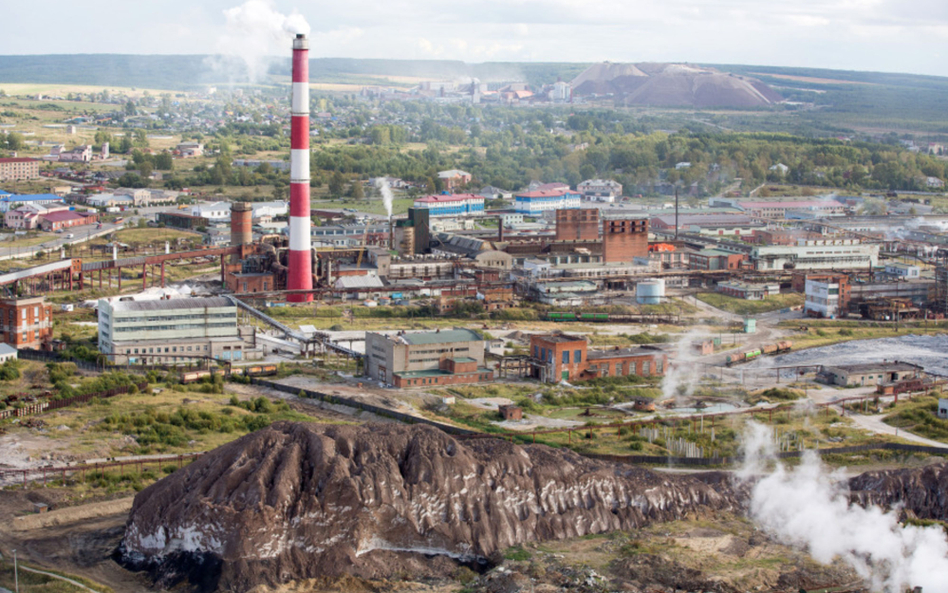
x=684 y=373
x=387 y=196
x=809 y=506
x=255 y=32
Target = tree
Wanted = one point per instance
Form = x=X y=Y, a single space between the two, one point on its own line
x=336 y=183
x=14 y=141
x=132 y=180
x=130 y=108
x=356 y=191
x=163 y=161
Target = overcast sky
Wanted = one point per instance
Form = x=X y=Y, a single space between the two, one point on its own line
x=879 y=35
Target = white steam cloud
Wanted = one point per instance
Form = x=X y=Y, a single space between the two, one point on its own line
x=684 y=372
x=810 y=507
x=387 y=197
x=255 y=32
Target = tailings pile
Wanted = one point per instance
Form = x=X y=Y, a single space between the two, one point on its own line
x=299 y=500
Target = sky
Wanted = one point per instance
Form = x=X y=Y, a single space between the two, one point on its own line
x=875 y=35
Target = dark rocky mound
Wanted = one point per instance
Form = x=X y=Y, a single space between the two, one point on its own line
x=923 y=491
x=300 y=500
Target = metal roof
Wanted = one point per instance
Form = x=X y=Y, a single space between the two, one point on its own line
x=441 y=337
x=172 y=304
x=359 y=282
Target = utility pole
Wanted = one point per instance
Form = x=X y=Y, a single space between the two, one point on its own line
x=16 y=575
x=676 y=212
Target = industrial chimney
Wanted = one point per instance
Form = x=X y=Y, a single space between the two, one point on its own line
x=241 y=224
x=300 y=272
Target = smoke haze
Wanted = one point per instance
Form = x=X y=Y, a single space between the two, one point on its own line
x=809 y=507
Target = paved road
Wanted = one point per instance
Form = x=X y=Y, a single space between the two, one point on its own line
x=80 y=234
x=876 y=425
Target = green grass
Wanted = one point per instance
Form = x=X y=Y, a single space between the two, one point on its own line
x=918 y=416
x=30 y=582
x=745 y=307
x=369 y=206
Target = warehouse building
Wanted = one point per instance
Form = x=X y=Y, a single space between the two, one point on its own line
x=854 y=375
x=565 y=357
x=426 y=359
x=175 y=331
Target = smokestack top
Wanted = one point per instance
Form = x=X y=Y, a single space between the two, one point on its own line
x=301 y=42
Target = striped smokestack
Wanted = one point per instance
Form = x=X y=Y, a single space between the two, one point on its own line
x=300 y=272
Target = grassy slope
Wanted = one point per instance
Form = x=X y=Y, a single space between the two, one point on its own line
x=745 y=307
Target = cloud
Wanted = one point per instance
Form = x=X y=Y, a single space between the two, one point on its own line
x=817 y=33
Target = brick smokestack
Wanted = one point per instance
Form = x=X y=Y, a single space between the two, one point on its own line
x=300 y=272
x=241 y=224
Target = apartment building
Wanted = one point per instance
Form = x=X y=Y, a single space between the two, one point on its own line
x=17 y=169
x=26 y=323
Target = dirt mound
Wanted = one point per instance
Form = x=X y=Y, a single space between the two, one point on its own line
x=296 y=501
x=923 y=491
x=673 y=85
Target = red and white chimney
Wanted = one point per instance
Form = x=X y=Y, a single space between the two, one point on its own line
x=300 y=272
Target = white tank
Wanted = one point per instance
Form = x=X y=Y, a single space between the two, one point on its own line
x=650 y=292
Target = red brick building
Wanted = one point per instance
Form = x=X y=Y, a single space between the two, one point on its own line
x=564 y=357
x=624 y=239
x=238 y=282
x=577 y=225
x=64 y=219
x=26 y=323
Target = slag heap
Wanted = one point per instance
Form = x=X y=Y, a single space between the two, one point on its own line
x=299 y=500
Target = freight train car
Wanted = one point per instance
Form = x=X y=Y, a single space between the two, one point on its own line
x=765 y=350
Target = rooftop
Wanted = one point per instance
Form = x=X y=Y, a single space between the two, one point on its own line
x=439 y=337
x=544 y=193
x=560 y=338
x=790 y=204
x=62 y=215
x=17 y=160
x=29 y=197
x=172 y=304
x=7 y=349
x=440 y=199
x=620 y=353
x=870 y=367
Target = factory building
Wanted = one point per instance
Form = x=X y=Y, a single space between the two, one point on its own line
x=175 y=331
x=854 y=375
x=577 y=225
x=426 y=359
x=624 y=239
x=564 y=357
x=182 y=221
x=827 y=295
x=817 y=254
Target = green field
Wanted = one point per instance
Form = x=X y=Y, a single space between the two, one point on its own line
x=745 y=307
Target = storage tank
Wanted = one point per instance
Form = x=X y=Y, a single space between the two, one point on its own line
x=650 y=292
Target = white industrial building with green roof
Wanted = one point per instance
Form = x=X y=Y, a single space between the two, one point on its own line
x=429 y=358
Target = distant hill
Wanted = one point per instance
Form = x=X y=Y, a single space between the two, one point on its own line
x=193 y=71
x=673 y=85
